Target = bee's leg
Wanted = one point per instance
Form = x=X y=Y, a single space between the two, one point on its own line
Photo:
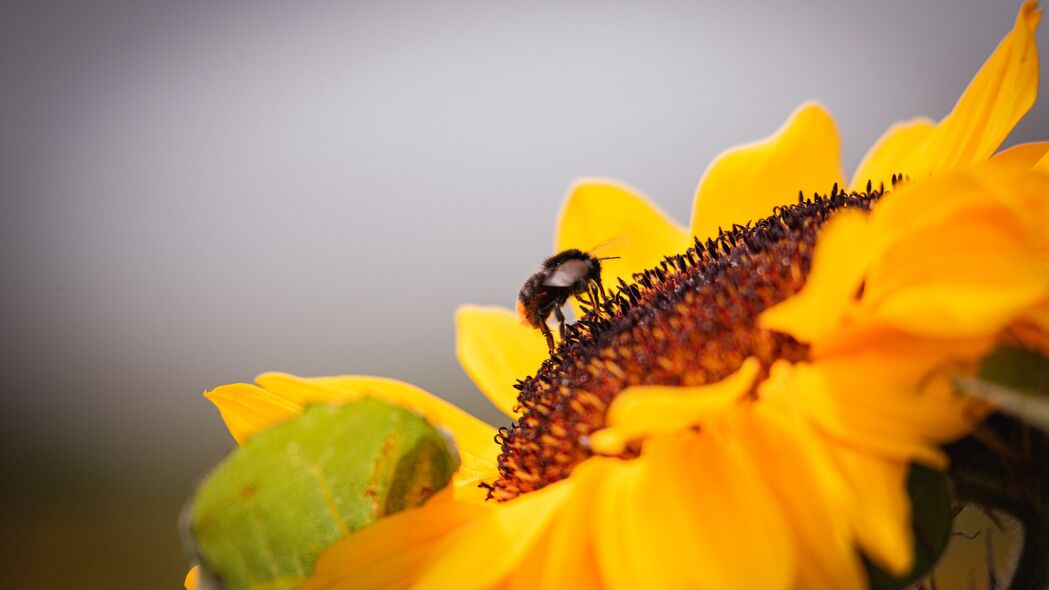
x=545 y=329
x=560 y=321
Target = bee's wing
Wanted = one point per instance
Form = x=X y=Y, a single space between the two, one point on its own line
x=567 y=273
x=605 y=245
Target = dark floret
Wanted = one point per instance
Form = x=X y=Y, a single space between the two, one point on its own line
x=690 y=320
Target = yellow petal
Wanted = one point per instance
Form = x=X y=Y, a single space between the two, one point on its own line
x=192 y=578
x=799 y=469
x=570 y=562
x=527 y=574
x=738 y=515
x=601 y=212
x=485 y=553
x=959 y=255
x=976 y=271
x=468 y=431
x=883 y=510
x=564 y=559
x=1011 y=202
x=348 y=388
x=1043 y=164
x=882 y=394
x=701 y=513
x=920 y=205
x=843 y=253
x=394 y=551
x=996 y=99
x=964 y=293
x=745 y=183
x=619 y=530
x=248 y=409
x=1024 y=194
x=1023 y=157
x=496 y=350
x=836 y=496
x=886 y=156
x=689 y=513
x=639 y=540
x=647 y=410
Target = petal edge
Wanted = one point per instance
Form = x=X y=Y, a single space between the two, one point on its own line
x=746 y=182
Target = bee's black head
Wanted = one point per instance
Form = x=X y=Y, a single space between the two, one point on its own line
x=594 y=264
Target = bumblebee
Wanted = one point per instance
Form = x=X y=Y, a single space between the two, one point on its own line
x=570 y=273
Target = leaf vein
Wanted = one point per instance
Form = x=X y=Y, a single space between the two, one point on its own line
x=322 y=483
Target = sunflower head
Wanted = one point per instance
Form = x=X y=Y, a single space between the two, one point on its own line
x=691 y=320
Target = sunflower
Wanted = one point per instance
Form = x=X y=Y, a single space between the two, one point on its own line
x=743 y=412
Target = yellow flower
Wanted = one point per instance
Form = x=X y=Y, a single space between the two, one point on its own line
x=884 y=323
x=744 y=413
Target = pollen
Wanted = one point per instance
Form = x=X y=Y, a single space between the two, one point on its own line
x=691 y=320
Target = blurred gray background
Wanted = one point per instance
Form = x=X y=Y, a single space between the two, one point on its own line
x=196 y=192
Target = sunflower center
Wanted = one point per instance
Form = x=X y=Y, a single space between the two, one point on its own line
x=690 y=321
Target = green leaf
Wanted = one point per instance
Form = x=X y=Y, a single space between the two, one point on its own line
x=931 y=521
x=261 y=518
x=1016 y=381
x=1017 y=368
